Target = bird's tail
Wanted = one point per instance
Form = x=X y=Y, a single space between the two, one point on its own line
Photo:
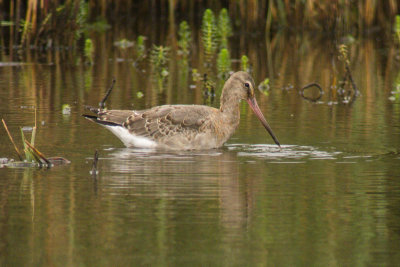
x=98 y=118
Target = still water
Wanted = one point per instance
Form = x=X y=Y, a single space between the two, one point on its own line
x=330 y=197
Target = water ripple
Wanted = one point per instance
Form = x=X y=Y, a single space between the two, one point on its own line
x=286 y=152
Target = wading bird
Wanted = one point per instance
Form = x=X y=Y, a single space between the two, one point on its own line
x=184 y=127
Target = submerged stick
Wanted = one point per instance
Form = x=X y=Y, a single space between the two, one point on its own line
x=102 y=102
x=343 y=56
x=351 y=79
x=12 y=140
x=94 y=167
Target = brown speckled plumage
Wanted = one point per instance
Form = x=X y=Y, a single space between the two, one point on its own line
x=184 y=126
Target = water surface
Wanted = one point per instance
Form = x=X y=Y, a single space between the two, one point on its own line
x=329 y=197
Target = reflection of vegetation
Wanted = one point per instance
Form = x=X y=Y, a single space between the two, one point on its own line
x=224 y=28
x=184 y=39
x=209 y=35
x=49 y=24
x=347 y=95
x=214 y=36
x=343 y=54
x=99 y=25
x=88 y=78
x=346 y=91
x=140 y=47
x=244 y=63
x=29 y=153
x=264 y=86
x=123 y=43
x=395 y=94
x=66 y=109
x=224 y=63
x=208 y=89
x=60 y=24
x=89 y=51
x=159 y=57
x=26 y=28
x=5 y=23
x=183 y=74
x=358 y=15
x=139 y=94
x=397 y=28
x=184 y=45
x=81 y=19
x=196 y=76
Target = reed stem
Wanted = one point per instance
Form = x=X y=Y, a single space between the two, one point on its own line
x=12 y=140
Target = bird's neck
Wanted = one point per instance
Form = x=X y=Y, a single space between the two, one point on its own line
x=230 y=109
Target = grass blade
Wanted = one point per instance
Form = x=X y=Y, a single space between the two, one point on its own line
x=37 y=154
x=28 y=155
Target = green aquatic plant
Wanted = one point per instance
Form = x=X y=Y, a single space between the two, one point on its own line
x=208 y=89
x=159 y=58
x=344 y=57
x=89 y=51
x=344 y=54
x=224 y=28
x=139 y=95
x=140 y=47
x=244 y=63
x=395 y=94
x=123 y=43
x=397 y=27
x=33 y=157
x=6 y=23
x=209 y=35
x=26 y=29
x=183 y=74
x=57 y=25
x=81 y=19
x=66 y=109
x=264 y=86
x=99 y=25
x=196 y=76
x=185 y=37
x=31 y=153
x=224 y=63
x=350 y=16
x=29 y=156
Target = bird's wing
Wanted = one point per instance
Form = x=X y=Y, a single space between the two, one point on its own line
x=169 y=120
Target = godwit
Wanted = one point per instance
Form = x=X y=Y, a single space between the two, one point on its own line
x=184 y=127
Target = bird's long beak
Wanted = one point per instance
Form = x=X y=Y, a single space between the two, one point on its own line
x=254 y=106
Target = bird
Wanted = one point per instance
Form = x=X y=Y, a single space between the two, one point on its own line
x=184 y=127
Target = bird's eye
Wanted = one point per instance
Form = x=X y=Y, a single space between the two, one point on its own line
x=247 y=85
